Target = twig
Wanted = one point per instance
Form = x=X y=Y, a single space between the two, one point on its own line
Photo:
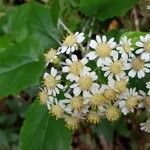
x=136 y=19
x=90 y=34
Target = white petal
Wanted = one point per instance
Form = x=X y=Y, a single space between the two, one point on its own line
x=93 y=44
x=104 y=39
x=66 y=69
x=98 y=39
x=132 y=73
x=76 y=91
x=92 y=55
x=53 y=72
x=74 y=58
x=139 y=44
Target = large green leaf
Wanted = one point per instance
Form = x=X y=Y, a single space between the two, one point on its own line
x=55 y=11
x=20 y=66
x=33 y=19
x=41 y=132
x=104 y=9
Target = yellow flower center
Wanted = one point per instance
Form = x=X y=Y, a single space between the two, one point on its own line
x=112 y=113
x=50 y=55
x=120 y=86
x=43 y=97
x=57 y=111
x=50 y=82
x=126 y=48
x=110 y=94
x=93 y=118
x=72 y=122
x=77 y=103
x=116 y=67
x=85 y=82
x=132 y=102
x=70 y=40
x=76 y=67
x=147 y=46
x=103 y=50
x=97 y=99
x=147 y=101
x=137 y=64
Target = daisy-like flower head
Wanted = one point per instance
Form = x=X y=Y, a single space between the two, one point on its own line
x=93 y=117
x=138 y=66
x=103 y=49
x=119 y=85
x=96 y=98
x=74 y=67
x=148 y=87
x=70 y=43
x=52 y=82
x=144 y=44
x=110 y=94
x=43 y=96
x=75 y=104
x=51 y=56
x=125 y=48
x=112 y=113
x=129 y=101
x=115 y=67
x=72 y=122
x=145 y=126
x=56 y=108
x=84 y=83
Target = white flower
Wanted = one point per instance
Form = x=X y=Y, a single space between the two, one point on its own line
x=84 y=83
x=145 y=126
x=138 y=66
x=75 y=104
x=50 y=56
x=56 y=107
x=96 y=98
x=103 y=49
x=51 y=81
x=119 y=85
x=70 y=43
x=125 y=48
x=129 y=101
x=144 y=44
x=148 y=87
x=74 y=67
x=115 y=67
x=54 y=101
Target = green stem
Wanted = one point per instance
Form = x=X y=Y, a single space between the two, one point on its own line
x=64 y=26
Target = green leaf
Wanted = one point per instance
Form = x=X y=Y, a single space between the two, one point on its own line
x=42 y=132
x=55 y=11
x=41 y=25
x=121 y=128
x=20 y=66
x=3 y=140
x=104 y=9
x=106 y=129
x=33 y=19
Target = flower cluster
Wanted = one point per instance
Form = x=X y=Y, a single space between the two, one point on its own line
x=89 y=86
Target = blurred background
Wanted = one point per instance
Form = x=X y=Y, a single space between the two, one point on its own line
x=24 y=20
